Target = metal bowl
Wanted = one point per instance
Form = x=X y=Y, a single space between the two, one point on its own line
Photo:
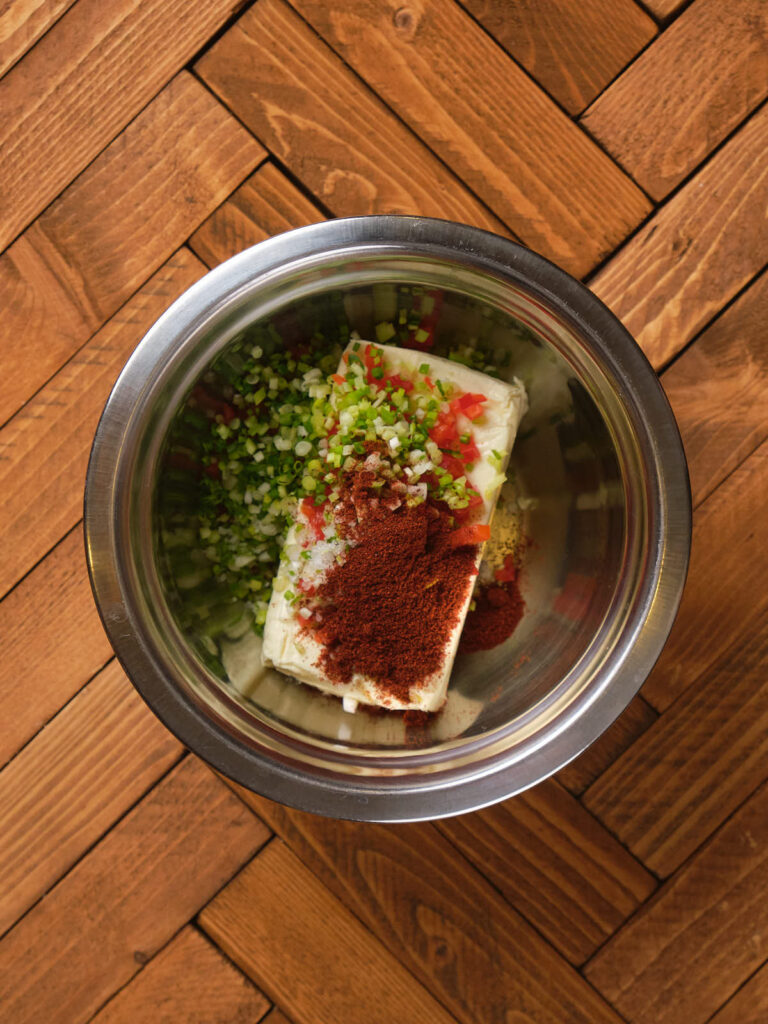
x=600 y=482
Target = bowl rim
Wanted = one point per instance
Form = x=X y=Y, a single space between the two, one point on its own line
x=357 y=797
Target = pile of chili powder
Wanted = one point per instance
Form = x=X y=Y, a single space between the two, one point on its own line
x=388 y=610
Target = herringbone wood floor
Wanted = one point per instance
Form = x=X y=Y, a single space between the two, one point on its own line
x=143 y=141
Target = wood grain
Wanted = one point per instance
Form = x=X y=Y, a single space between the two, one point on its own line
x=336 y=136
x=697 y=251
x=93 y=72
x=681 y=97
x=749 y=1005
x=22 y=22
x=264 y=205
x=126 y=898
x=555 y=864
x=617 y=738
x=287 y=932
x=188 y=982
x=725 y=596
x=488 y=121
x=276 y=1016
x=572 y=50
x=80 y=261
x=717 y=391
x=440 y=917
x=664 y=9
x=44 y=449
x=699 y=762
x=53 y=642
x=703 y=935
x=67 y=786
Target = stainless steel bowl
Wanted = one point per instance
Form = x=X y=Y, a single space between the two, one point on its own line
x=599 y=467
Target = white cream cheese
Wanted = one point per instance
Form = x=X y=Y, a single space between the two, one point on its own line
x=291 y=648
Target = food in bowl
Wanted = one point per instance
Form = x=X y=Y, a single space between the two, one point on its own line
x=346 y=512
x=599 y=492
x=377 y=571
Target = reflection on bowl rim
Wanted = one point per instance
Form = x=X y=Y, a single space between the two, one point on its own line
x=407 y=785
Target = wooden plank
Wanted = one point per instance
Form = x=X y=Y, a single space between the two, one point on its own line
x=556 y=864
x=80 y=261
x=664 y=9
x=93 y=72
x=572 y=50
x=488 y=121
x=697 y=252
x=749 y=1005
x=44 y=448
x=188 y=982
x=681 y=97
x=276 y=1017
x=440 y=917
x=287 y=932
x=725 y=596
x=336 y=136
x=699 y=762
x=53 y=642
x=22 y=22
x=627 y=728
x=717 y=390
x=701 y=937
x=65 y=788
x=264 y=205
x=126 y=898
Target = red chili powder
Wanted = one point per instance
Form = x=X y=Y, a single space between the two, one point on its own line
x=389 y=609
x=498 y=609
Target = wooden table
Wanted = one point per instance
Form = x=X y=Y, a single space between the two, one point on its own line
x=142 y=143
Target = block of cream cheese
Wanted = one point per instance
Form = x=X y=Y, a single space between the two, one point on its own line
x=289 y=646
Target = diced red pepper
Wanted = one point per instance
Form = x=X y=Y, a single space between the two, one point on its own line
x=397 y=382
x=469 y=405
x=468 y=452
x=337 y=378
x=472 y=533
x=428 y=382
x=315 y=517
x=450 y=464
x=444 y=430
x=508 y=572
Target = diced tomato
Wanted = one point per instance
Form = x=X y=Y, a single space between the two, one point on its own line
x=337 y=378
x=469 y=405
x=315 y=517
x=473 y=412
x=305 y=588
x=397 y=382
x=508 y=572
x=472 y=533
x=444 y=430
x=469 y=452
x=452 y=465
x=428 y=382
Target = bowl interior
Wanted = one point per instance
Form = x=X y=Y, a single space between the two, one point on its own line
x=574 y=495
